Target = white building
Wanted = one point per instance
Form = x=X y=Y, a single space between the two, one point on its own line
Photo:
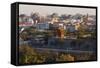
x=25 y=21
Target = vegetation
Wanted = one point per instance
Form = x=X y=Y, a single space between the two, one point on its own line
x=28 y=55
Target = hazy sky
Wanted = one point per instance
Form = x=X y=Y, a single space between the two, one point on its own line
x=44 y=10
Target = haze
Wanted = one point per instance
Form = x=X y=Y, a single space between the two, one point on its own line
x=44 y=10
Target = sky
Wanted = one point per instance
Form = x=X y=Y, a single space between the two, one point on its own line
x=47 y=10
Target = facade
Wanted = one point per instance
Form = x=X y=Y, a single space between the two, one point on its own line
x=25 y=21
x=42 y=26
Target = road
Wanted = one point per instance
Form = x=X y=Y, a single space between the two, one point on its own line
x=65 y=51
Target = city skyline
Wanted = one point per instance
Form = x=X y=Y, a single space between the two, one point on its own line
x=47 y=10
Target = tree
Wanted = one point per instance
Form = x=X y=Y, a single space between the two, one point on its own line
x=63 y=17
x=26 y=53
x=35 y=17
x=66 y=57
x=54 y=15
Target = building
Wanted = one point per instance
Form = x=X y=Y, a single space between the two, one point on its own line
x=25 y=21
x=42 y=26
x=70 y=27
